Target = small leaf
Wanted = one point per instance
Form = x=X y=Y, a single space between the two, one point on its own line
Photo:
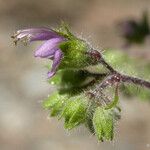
x=79 y=114
x=97 y=124
x=51 y=101
x=89 y=116
x=57 y=108
x=55 y=103
x=74 y=113
x=103 y=124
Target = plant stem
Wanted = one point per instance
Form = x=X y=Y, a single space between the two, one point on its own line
x=136 y=81
x=108 y=66
x=114 y=76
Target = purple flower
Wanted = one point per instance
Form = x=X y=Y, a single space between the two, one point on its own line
x=49 y=49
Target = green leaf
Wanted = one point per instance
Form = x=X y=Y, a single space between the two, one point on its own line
x=55 y=103
x=57 y=108
x=51 y=101
x=89 y=116
x=103 y=124
x=74 y=112
x=97 y=123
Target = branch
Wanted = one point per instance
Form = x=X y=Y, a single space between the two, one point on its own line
x=115 y=76
x=108 y=66
x=137 y=81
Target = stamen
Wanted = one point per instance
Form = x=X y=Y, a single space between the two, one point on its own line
x=25 y=40
x=15 y=41
x=19 y=36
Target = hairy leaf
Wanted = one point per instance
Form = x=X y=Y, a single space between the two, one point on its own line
x=74 y=112
x=103 y=124
x=55 y=103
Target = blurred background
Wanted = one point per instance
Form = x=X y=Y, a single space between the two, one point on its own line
x=24 y=125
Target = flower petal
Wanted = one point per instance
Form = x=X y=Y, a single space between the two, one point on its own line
x=57 y=60
x=44 y=34
x=35 y=34
x=48 y=48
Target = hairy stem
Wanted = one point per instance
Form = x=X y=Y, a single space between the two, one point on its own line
x=114 y=76
x=108 y=66
x=137 y=81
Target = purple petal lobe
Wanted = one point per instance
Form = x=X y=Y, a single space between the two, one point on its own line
x=48 y=49
x=57 y=60
x=35 y=34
